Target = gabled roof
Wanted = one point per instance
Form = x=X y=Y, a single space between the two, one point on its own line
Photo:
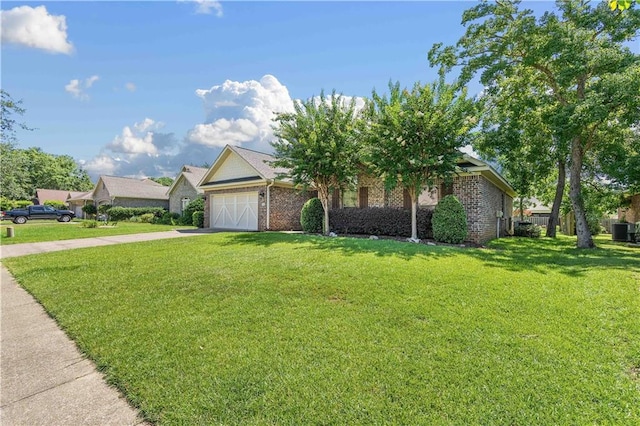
x=51 y=194
x=123 y=187
x=80 y=196
x=258 y=162
x=191 y=174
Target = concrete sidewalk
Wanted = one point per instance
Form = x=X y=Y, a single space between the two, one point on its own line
x=44 y=247
x=44 y=379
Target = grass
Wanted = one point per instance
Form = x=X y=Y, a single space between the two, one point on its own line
x=290 y=329
x=51 y=230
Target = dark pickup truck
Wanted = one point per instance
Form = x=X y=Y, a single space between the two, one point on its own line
x=20 y=216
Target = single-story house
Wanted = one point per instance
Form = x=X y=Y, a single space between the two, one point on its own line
x=485 y=195
x=244 y=192
x=185 y=188
x=129 y=192
x=43 y=195
x=77 y=200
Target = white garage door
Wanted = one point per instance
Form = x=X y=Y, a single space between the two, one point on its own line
x=235 y=211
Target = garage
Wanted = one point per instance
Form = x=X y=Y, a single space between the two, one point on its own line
x=237 y=211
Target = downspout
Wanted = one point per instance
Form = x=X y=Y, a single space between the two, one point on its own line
x=269 y=202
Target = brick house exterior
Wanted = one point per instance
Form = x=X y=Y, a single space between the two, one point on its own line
x=481 y=190
x=244 y=192
x=185 y=188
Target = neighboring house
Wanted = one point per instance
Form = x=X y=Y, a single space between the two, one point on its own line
x=185 y=188
x=243 y=192
x=129 y=192
x=77 y=200
x=43 y=195
x=486 y=196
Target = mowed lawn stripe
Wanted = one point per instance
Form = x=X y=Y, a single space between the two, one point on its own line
x=290 y=329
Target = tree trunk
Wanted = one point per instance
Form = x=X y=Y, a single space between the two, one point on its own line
x=582 y=229
x=323 y=194
x=555 y=209
x=414 y=213
x=521 y=208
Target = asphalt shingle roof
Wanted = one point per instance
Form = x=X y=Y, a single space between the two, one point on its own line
x=260 y=161
x=134 y=188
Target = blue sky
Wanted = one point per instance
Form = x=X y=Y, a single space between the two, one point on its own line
x=138 y=88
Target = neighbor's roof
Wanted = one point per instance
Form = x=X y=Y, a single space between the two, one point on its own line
x=124 y=187
x=80 y=196
x=192 y=174
x=51 y=194
x=470 y=164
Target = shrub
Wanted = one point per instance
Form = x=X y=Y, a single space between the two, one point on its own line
x=7 y=204
x=527 y=229
x=196 y=205
x=379 y=221
x=198 y=219
x=593 y=223
x=90 y=209
x=147 y=218
x=126 y=213
x=312 y=215
x=449 y=221
x=104 y=208
x=90 y=224
x=55 y=204
x=167 y=218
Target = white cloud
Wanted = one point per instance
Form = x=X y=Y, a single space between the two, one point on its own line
x=468 y=149
x=34 y=27
x=206 y=7
x=241 y=113
x=148 y=124
x=137 y=139
x=130 y=87
x=77 y=88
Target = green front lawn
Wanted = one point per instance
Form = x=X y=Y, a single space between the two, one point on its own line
x=51 y=230
x=290 y=329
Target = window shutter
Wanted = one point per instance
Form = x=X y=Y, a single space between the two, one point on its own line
x=335 y=199
x=363 y=197
x=445 y=189
x=406 y=199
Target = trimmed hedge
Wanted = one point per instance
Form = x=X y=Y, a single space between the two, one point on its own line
x=125 y=213
x=380 y=221
x=311 y=216
x=449 y=221
x=56 y=204
x=196 y=205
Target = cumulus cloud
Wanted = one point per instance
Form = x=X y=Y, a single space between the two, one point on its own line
x=130 y=87
x=206 y=7
x=78 y=87
x=241 y=113
x=34 y=27
x=236 y=113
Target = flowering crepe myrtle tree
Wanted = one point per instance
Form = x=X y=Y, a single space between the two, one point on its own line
x=414 y=136
x=317 y=144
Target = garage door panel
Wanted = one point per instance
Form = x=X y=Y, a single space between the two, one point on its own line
x=235 y=211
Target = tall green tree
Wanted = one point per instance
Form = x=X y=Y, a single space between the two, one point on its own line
x=576 y=53
x=415 y=136
x=317 y=144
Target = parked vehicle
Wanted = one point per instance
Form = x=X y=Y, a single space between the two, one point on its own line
x=20 y=216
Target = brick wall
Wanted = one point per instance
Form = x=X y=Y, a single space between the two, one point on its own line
x=376 y=191
x=286 y=204
x=481 y=200
x=182 y=190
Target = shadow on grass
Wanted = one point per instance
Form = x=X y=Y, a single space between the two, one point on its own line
x=514 y=254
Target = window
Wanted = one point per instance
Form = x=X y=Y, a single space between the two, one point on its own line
x=185 y=203
x=428 y=198
x=349 y=198
x=363 y=197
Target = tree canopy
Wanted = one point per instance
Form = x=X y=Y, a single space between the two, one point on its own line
x=317 y=143
x=575 y=56
x=414 y=136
